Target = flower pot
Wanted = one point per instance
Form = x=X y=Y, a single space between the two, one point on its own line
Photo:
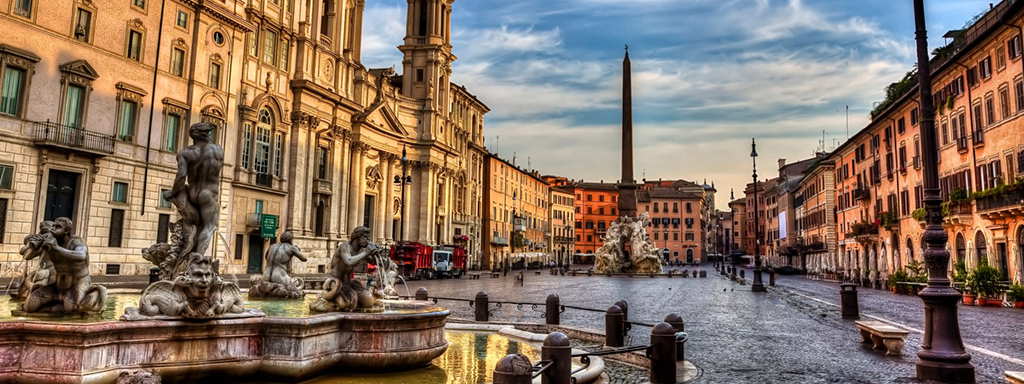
x=1018 y=304
x=993 y=302
x=968 y=299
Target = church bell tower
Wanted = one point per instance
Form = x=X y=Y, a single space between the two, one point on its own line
x=427 y=50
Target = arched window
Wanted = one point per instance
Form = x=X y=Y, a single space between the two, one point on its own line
x=980 y=247
x=268 y=149
x=1020 y=252
x=961 y=249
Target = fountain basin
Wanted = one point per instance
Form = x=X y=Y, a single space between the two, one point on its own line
x=410 y=334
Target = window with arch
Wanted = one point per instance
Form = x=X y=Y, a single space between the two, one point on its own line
x=981 y=248
x=1020 y=251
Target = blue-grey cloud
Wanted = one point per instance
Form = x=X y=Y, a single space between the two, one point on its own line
x=708 y=75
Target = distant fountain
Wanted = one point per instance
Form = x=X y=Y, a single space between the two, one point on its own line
x=627 y=248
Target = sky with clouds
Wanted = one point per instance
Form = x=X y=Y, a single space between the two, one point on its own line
x=707 y=76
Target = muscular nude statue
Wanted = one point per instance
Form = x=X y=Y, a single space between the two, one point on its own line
x=276 y=280
x=279 y=260
x=196 y=189
x=71 y=289
x=343 y=292
x=32 y=249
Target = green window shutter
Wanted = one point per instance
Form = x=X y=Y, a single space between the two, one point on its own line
x=13 y=81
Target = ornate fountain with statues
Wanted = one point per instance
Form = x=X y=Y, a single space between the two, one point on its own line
x=193 y=324
x=627 y=248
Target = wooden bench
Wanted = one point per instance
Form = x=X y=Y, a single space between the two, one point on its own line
x=1014 y=377
x=474 y=276
x=882 y=335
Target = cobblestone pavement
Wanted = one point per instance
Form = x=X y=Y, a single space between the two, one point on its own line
x=737 y=336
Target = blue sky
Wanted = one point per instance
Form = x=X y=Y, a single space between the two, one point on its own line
x=707 y=76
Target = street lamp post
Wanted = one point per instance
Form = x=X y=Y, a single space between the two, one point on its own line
x=942 y=357
x=402 y=181
x=757 y=285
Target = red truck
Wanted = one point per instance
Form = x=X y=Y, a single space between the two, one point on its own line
x=421 y=261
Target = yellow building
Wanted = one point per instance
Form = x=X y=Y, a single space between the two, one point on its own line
x=516 y=215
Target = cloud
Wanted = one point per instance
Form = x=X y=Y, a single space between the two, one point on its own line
x=708 y=75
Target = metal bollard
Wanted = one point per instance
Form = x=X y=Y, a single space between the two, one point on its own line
x=421 y=294
x=743 y=273
x=557 y=350
x=613 y=327
x=154 y=275
x=677 y=323
x=848 y=299
x=626 y=326
x=480 y=307
x=663 y=354
x=513 y=369
x=771 y=277
x=552 y=310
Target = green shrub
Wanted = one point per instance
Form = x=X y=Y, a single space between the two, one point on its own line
x=916 y=272
x=985 y=281
x=919 y=214
x=1016 y=293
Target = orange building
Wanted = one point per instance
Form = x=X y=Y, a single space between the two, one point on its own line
x=676 y=222
x=979 y=95
x=596 y=208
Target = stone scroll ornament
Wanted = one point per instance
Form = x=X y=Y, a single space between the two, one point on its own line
x=276 y=281
x=190 y=284
x=61 y=285
x=342 y=292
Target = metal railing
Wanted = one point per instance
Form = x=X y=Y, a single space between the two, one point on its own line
x=71 y=137
x=1001 y=201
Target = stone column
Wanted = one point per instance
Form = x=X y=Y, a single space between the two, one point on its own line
x=355 y=179
x=423 y=203
x=389 y=197
x=380 y=216
x=339 y=198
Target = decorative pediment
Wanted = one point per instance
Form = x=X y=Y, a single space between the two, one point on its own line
x=373 y=177
x=80 y=68
x=391 y=122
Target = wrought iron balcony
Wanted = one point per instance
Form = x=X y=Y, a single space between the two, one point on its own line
x=73 y=138
x=499 y=240
x=1010 y=202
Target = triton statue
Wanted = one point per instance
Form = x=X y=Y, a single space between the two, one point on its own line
x=66 y=288
x=43 y=274
x=342 y=293
x=276 y=281
x=190 y=285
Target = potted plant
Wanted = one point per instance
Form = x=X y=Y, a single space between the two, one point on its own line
x=969 y=296
x=895 y=281
x=1016 y=295
x=986 y=284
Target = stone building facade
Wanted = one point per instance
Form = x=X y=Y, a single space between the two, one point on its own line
x=563 y=218
x=98 y=98
x=979 y=97
x=815 y=218
x=677 y=221
x=516 y=218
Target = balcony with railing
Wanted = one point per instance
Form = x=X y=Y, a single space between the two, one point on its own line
x=73 y=138
x=1003 y=202
x=861 y=194
x=959 y=212
x=322 y=186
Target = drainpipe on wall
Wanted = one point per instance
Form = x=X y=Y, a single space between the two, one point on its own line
x=152 y=107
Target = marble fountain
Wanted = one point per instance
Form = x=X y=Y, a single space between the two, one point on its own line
x=192 y=324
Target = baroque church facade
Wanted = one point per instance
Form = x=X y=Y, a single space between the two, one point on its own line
x=94 y=108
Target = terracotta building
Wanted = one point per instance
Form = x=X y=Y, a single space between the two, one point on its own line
x=98 y=98
x=742 y=236
x=815 y=228
x=596 y=207
x=516 y=216
x=562 y=237
x=979 y=95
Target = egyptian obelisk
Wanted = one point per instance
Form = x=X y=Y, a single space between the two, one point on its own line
x=627 y=186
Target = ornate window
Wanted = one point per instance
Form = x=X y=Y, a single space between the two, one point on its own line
x=16 y=69
x=216 y=65
x=270 y=47
x=134 y=43
x=174 y=113
x=76 y=84
x=178 y=61
x=83 y=25
x=246 y=146
x=263 y=129
x=129 y=102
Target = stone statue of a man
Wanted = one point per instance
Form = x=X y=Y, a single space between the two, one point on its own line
x=71 y=290
x=276 y=280
x=342 y=291
x=33 y=249
x=195 y=191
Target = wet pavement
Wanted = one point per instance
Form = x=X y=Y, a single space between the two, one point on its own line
x=737 y=336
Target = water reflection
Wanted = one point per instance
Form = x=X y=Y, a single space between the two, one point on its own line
x=470 y=358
